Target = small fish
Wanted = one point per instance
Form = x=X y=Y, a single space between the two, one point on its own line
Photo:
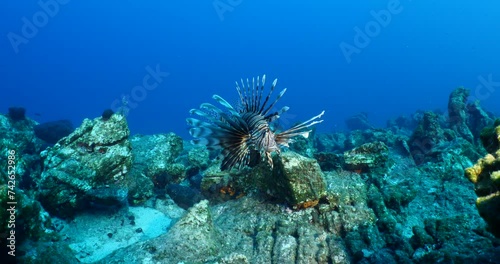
x=245 y=133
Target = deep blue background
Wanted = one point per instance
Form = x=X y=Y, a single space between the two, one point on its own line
x=90 y=53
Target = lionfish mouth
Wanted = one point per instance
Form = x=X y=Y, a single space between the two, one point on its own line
x=245 y=133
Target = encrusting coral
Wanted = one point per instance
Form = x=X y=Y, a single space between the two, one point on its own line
x=485 y=175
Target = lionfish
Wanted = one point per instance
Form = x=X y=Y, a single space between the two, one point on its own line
x=245 y=133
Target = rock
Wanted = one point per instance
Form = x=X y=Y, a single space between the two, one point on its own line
x=304 y=146
x=298 y=180
x=427 y=136
x=449 y=234
x=367 y=157
x=154 y=165
x=421 y=238
x=51 y=132
x=199 y=157
x=348 y=192
x=477 y=118
x=48 y=252
x=192 y=239
x=295 y=179
x=140 y=187
x=387 y=222
x=19 y=144
x=154 y=156
x=213 y=180
x=108 y=196
x=234 y=258
x=457 y=113
x=358 y=122
x=195 y=181
x=28 y=219
x=183 y=196
x=96 y=155
x=267 y=233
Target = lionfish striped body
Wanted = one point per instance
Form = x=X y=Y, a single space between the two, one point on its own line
x=245 y=133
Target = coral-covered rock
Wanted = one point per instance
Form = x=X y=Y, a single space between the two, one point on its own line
x=199 y=157
x=154 y=156
x=295 y=179
x=48 y=252
x=26 y=217
x=304 y=146
x=298 y=180
x=154 y=165
x=427 y=136
x=485 y=175
x=348 y=192
x=457 y=113
x=367 y=157
x=477 y=118
x=18 y=138
x=191 y=239
x=96 y=155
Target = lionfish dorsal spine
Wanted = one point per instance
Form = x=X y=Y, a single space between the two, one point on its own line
x=261 y=91
x=275 y=101
x=268 y=95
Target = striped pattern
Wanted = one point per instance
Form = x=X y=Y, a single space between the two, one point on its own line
x=244 y=134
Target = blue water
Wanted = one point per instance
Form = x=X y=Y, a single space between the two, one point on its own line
x=73 y=59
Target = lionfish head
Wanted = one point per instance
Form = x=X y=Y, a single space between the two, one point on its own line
x=244 y=134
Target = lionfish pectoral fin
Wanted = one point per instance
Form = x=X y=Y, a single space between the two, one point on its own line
x=286 y=136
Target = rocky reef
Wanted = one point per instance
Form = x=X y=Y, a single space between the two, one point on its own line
x=370 y=195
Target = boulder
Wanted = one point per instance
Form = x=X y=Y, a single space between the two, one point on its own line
x=298 y=180
x=457 y=113
x=96 y=156
x=367 y=157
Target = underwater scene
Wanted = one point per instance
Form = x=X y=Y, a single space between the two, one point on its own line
x=237 y=131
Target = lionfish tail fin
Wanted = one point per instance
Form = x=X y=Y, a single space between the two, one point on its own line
x=221 y=130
